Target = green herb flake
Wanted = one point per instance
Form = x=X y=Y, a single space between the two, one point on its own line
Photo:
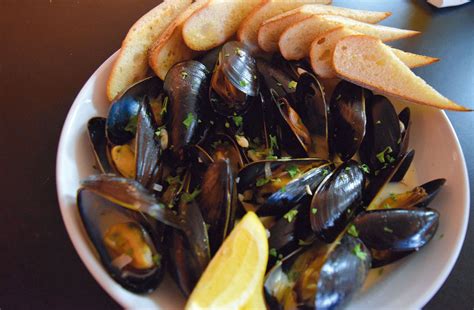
x=156 y=259
x=184 y=75
x=303 y=243
x=290 y=215
x=243 y=83
x=132 y=124
x=238 y=120
x=271 y=157
x=389 y=230
x=173 y=180
x=189 y=120
x=227 y=125
x=393 y=196
x=347 y=169
x=314 y=210
x=359 y=253
x=386 y=206
x=293 y=171
x=273 y=142
x=353 y=231
x=238 y=52
x=365 y=168
x=164 y=107
x=273 y=252
x=441 y=236
x=292 y=84
x=381 y=156
x=283 y=189
x=338 y=96
x=188 y=197
x=262 y=181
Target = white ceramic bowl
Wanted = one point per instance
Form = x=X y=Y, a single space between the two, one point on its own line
x=410 y=283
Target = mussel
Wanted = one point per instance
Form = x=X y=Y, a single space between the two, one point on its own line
x=186 y=84
x=97 y=137
x=235 y=81
x=126 y=241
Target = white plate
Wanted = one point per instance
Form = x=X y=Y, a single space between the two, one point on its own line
x=410 y=283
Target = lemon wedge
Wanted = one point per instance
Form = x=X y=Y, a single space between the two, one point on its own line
x=234 y=277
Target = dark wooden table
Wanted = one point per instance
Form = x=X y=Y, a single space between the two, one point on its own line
x=49 y=48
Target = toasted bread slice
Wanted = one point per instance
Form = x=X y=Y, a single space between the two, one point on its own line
x=170 y=48
x=271 y=30
x=213 y=24
x=295 y=42
x=248 y=30
x=323 y=46
x=366 y=61
x=132 y=62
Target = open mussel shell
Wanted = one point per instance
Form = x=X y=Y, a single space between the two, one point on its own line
x=125 y=240
x=311 y=105
x=397 y=229
x=235 y=81
x=186 y=85
x=336 y=200
x=292 y=134
x=320 y=276
x=403 y=167
x=148 y=146
x=98 y=139
x=348 y=119
x=275 y=78
x=273 y=187
x=381 y=144
x=132 y=195
x=121 y=119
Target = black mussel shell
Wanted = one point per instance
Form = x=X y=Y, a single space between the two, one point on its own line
x=131 y=195
x=348 y=119
x=292 y=134
x=311 y=105
x=403 y=168
x=209 y=59
x=432 y=188
x=336 y=200
x=98 y=139
x=381 y=145
x=235 y=81
x=405 y=119
x=99 y=214
x=275 y=78
x=382 y=258
x=148 y=147
x=122 y=116
x=217 y=201
x=186 y=84
x=275 y=186
x=397 y=229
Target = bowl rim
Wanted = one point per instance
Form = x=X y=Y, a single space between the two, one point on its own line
x=90 y=261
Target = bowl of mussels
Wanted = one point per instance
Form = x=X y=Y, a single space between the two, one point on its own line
x=367 y=193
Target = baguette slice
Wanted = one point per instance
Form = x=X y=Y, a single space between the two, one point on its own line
x=132 y=62
x=323 y=47
x=271 y=30
x=366 y=61
x=170 y=48
x=295 y=42
x=248 y=30
x=213 y=24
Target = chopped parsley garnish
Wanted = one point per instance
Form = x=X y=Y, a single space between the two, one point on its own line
x=189 y=120
x=187 y=197
x=243 y=83
x=290 y=215
x=441 y=236
x=227 y=125
x=353 y=231
x=390 y=158
x=156 y=259
x=132 y=124
x=239 y=52
x=393 y=196
x=271 y=157
x=386 y=206
x=302 y=242
x=164 y=107
x=292 y=84
x=314 y=210
x=158 y=132
x=293 y=171
x=262 y=181
x=173 y=180
x=387 y=229
x=381 y=156
x=238 y=120
x=359 y=253
x=347 y=169
x=184 y=75
x=283 y=189
x=273 y=252
x=273 y=142
x=365 y=168
x=325 y=172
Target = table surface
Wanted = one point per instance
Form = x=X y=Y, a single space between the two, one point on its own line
x=49 y=48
